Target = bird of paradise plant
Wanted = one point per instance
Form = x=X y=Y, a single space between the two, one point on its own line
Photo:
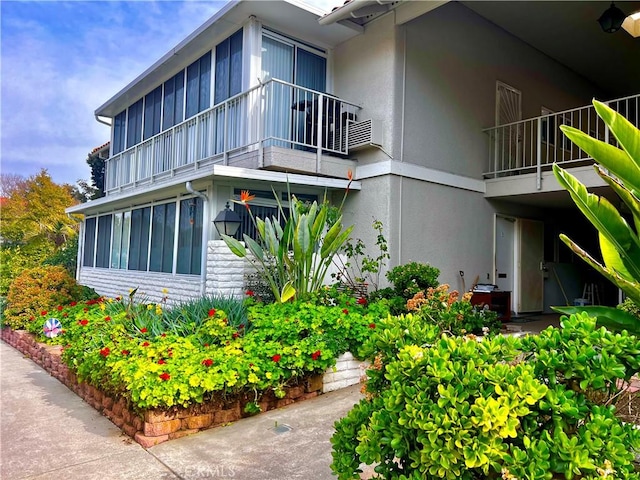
x=619 y=242
x=293 y=259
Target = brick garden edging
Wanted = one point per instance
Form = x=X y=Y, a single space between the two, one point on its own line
x=152 y=427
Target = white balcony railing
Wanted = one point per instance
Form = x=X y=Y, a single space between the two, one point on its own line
x=533 y=145
x=275 y=113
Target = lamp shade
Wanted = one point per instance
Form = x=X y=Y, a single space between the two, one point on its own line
x=227 y=222
x=612 y=18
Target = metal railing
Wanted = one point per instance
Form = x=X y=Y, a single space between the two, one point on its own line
x=533 y=145
x=274 y=113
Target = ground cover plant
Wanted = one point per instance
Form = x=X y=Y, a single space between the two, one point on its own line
x=160 y=357
x=538 y=407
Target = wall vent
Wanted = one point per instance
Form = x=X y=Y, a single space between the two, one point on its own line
x=367 y=133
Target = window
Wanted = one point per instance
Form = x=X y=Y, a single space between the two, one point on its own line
x=162 y=234
x=134 y=124
x=89 y=242
x=198 y=85
x=228 y=68
x=152 y=112
x=119 y=130
x=190 y=237
x=120 y=243
x=139 y=239
x=173 y=101
x=103 y=246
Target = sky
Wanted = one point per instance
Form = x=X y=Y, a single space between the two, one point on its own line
x=59 y=61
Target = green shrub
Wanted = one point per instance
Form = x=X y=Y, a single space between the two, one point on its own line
x=453 y=314
x=526 y=408
x=407 y=280
x=66 y=256
x=631 y=307
x=37 y=291
x=16 y=259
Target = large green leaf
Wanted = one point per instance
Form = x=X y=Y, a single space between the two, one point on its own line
x=605 y=218
x=626 y=133
x=302 y=239
x=235 y=246
x=609 y=317
x=617 y=161
x=631 y=288
x=330 y=237
x=254 y=247
x=629 y=198
x=612 y=259
x=288 y=292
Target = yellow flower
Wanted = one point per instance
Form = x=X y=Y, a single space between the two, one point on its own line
x=149 y=307
x=268 y=375
x=253 y=378
x=165 y=291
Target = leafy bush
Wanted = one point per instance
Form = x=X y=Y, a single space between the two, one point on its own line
x=120 y=346
x=527 y=408
x=631 y=307
x=407 y=280
x=66 y=256
x=451 y=314
x=16 y=259
x=35 y=292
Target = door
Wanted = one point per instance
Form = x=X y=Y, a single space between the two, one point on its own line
x=530 y=255
x=504 y=253
x=508 y=140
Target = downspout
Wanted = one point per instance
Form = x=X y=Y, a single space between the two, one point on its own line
x=205 y=236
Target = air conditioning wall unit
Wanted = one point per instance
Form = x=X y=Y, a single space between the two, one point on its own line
x=364 y=134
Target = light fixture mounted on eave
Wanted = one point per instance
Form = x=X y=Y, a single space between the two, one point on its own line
x=632 y=24
x=611 y=20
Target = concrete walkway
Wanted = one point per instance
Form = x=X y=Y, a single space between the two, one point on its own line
x=47 y=432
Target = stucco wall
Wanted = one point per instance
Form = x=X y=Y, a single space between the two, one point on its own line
x=454 y=58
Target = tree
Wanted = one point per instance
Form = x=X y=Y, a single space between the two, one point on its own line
x=95 y=160
x=34 y=213
x=9 y=182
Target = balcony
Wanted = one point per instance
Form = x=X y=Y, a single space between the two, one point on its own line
x=275 y=125
x=532 y=146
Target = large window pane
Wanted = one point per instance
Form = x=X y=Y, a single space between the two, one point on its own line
x=119 y=130
x=152 y=111
x=163 y=227
x=89 y=242
x=228 y=79
x=190 y=237
x=139 y=238
x=124 y=249
x=198 y=85
x=117 y=240
x=104 y=241
x=134 y=124
x=173 y=101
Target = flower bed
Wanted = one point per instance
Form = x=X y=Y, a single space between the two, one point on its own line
x=158 y=379
x=153 y=426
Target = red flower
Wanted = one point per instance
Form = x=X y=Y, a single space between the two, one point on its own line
x=208 y=362
x=43 y=313
x=250 y=293
x=345 y=311
x=245 y=198
x=32 y=318
x=85 y=309
x=59 y=308
x=276 y=358
x=350 y=175
x=163 y=335
x=125 y=352
x=65 y=314
x=118 y=298
x=105 y=352
x=145 y=344
x=212 y=312
x=372 y=325
x=315 y=355
x=165 y=376
x=84 y=322
x=236 y=335
x=241 y=326
x=206 y=344
x=73 y=304
x=161 y=362
x=362 y=301
x=143 y=330
x=107 y=319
